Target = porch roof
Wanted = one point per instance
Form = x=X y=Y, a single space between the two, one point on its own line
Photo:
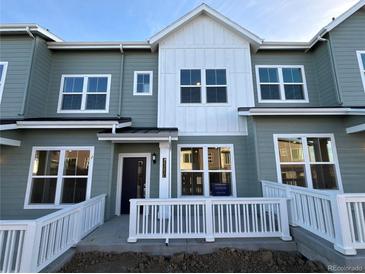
x=139 y=134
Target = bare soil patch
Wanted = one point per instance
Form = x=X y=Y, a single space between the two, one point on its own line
x=223 y=260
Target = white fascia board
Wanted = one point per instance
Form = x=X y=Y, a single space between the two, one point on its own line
x=355 y=129
x=98 y=45
x=9 y=142
x=285 y=45
x=120 y=139
x=299 y=111
x=203 y=8
x=70 y=124
x=26 y=28
x=8 y=127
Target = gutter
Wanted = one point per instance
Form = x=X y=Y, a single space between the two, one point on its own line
x=300 y=111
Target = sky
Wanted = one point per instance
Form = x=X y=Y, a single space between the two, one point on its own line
x=137 y=20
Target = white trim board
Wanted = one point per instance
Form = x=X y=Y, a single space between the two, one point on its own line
x=64 y=124
x=9 y=142
x=301 y=111
x=135 y=78
x=119 y=183
x=361 y=65
x=355 y=129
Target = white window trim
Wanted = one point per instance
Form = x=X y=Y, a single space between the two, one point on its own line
x=281 y=84
x=206 y=171
x=203 y=87
x=361 y=66
x=57 y=204
x=307 y=161
x=2 y=79
x=135 y=83
x=84 y=94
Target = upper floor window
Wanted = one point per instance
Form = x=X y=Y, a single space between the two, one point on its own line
x=3 y=69
x=281 y=84
x=216 y=84
x=84 y=93
x=307 y=161
x=190 y=86
x=142 y=83
x=361 y=60
x=206 y=170
x=203 y=86
x=59 y=176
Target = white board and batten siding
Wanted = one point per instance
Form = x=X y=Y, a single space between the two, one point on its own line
x=203 y=43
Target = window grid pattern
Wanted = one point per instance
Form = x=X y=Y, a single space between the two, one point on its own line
x=84 y=93
x=285 y=84
x=55 y=175
x=143 y=83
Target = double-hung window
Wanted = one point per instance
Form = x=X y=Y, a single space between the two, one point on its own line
x=285 y=84
x=59 y=176
x=200 y=86
x=143 y=83
x=206 y=170
x=361 y=60
x=190 y=86
x=216 y=85
x=84 y=93
x=307 y=161
x=3 y=69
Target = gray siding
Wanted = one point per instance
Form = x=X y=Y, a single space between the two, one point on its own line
x=15 y=162
x=39 y=80
x=350 y=147
x=346 y=39
x=246 y=182
x=17 y=51
x=320 y=83
x=142 y=109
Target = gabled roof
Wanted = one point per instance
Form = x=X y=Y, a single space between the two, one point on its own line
x=205 y=9
x=29 y=29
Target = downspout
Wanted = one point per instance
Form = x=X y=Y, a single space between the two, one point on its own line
x=170 y=165
x=121 y=81
x=26 y=95
x=333 y=69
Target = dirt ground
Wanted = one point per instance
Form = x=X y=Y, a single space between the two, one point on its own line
x=223 y=260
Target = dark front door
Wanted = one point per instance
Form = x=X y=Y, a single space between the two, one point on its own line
x=133 y=181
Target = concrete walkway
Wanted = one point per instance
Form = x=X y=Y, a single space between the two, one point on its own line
x=112 y=237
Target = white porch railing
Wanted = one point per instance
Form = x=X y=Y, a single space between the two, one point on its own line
x=338 y=218
x=208 y=218
x=29 y=246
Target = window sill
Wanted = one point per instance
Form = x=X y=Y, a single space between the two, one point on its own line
x=283 y=101
x=82 y=111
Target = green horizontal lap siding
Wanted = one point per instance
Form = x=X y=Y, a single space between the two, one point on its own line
x=39 y=80
x=15 y=163
x=84 y=62
x=346 y=39
x=244 y=158
x=351 y=121
x=350 y=147
x=136 y=148
x=320 y=83
x=17 y=51
x=142 y=109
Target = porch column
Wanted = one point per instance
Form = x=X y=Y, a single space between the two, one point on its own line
x=165 y=166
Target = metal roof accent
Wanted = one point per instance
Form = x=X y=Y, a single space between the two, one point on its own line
x=139 y=134
x=263 y=111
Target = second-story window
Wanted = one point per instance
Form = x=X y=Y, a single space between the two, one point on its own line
x=142 y=83
x=84 y=93
x=3 y=68
x=281 y=84
x=190 y=86
x=361 y=60
x=216 y=85
x=203 y=86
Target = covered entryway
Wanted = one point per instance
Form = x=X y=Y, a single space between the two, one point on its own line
x=134 y=177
